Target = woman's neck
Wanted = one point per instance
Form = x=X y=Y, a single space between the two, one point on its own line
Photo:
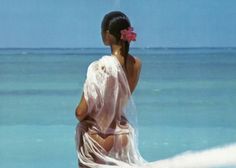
x=116 y=51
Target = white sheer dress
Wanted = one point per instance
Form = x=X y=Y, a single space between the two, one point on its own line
x=111 y=112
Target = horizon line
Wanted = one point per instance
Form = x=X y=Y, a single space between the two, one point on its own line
x=200 y=47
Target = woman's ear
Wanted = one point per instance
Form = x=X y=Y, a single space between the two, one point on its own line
x=110 y=39
x=105 y=37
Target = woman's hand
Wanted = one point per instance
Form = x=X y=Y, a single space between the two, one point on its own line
x=81 y=109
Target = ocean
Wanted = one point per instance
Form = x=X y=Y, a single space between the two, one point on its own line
x=186 y=100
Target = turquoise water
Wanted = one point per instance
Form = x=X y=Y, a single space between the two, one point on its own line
x=186 y=100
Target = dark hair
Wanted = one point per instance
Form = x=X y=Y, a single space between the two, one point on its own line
x=115 y=22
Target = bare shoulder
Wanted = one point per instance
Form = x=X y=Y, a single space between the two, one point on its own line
x=136 y=62
x=139 y=62
x=135 y=67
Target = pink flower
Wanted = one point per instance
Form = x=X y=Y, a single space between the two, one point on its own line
x=128 y=34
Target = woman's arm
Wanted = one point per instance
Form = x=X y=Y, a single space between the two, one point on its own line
x=81 y=109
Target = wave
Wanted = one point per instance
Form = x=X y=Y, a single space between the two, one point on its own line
x=218 y=157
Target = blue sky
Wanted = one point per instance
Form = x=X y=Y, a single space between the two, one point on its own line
x=158 y=23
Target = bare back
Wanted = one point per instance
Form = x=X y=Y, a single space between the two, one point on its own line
x=132 y=74
x=134 y=66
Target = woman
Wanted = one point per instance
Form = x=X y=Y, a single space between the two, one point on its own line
x=105 y=136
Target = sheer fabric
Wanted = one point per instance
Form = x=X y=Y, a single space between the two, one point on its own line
x=112 y=116
x=111 y=111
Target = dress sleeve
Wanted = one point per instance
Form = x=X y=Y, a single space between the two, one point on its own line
x=101 y=91
x=100 y=84
x=90 y=86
